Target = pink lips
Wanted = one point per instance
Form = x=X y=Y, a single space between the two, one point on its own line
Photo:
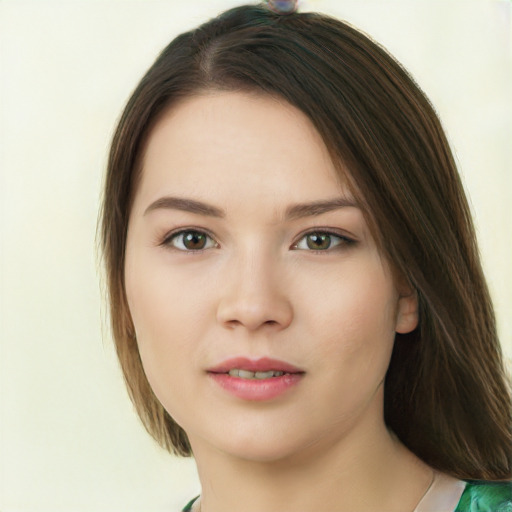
x=256 y=389
x=264 y=364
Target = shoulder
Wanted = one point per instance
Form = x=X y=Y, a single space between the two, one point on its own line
x=486 y=496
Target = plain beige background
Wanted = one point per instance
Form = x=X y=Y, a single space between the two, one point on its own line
x=69 y=439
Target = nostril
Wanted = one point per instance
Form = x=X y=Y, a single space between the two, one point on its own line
x=254 y=311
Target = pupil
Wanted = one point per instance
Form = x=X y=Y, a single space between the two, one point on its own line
x=194 y=240
x=319 y=242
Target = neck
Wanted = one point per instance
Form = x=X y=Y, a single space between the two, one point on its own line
x=367 y=470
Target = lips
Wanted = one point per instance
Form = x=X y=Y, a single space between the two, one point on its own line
x=255 y=380
x=264 y=364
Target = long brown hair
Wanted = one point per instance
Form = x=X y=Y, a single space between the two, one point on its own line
x=446 y=393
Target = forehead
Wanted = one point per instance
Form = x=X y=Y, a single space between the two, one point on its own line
x=234 y=146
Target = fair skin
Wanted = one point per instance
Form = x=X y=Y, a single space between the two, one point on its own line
x=249 y=282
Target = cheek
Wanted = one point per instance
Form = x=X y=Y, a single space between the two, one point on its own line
x=164 y=302
x=357 y=315
x=165 y=307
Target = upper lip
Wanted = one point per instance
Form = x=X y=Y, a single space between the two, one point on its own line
x=263 y=364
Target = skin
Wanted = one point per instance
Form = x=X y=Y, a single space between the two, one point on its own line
x=257 y=290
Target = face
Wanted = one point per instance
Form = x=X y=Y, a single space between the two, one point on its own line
x=264 y=314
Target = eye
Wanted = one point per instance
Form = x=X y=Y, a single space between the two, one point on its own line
x=321 y=241
x=190 y=240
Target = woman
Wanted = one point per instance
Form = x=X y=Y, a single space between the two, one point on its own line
x=295 y=288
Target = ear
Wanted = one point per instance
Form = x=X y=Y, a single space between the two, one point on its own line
x=407 y=311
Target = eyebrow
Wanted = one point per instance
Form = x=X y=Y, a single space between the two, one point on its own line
x=185 y=205
x=301 y=210
x=296 y=211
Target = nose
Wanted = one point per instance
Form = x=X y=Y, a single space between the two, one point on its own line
x=254 y=296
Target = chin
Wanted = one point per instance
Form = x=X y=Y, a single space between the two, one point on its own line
x=264 y=446
x=264 y=454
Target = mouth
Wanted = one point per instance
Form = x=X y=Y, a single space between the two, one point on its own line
x=246 y=374
x=255 y=380
x=264 y=368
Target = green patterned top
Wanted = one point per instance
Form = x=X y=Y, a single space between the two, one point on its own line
x=478 y=496
x=481 y=496
x=188 y=507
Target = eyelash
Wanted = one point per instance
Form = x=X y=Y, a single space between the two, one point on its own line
x=343 y=241
x=167 y=242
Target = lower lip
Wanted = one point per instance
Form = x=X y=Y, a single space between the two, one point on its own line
x=256 y=389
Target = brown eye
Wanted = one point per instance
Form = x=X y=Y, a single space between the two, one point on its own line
x=318 y=241
x=190 y=241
